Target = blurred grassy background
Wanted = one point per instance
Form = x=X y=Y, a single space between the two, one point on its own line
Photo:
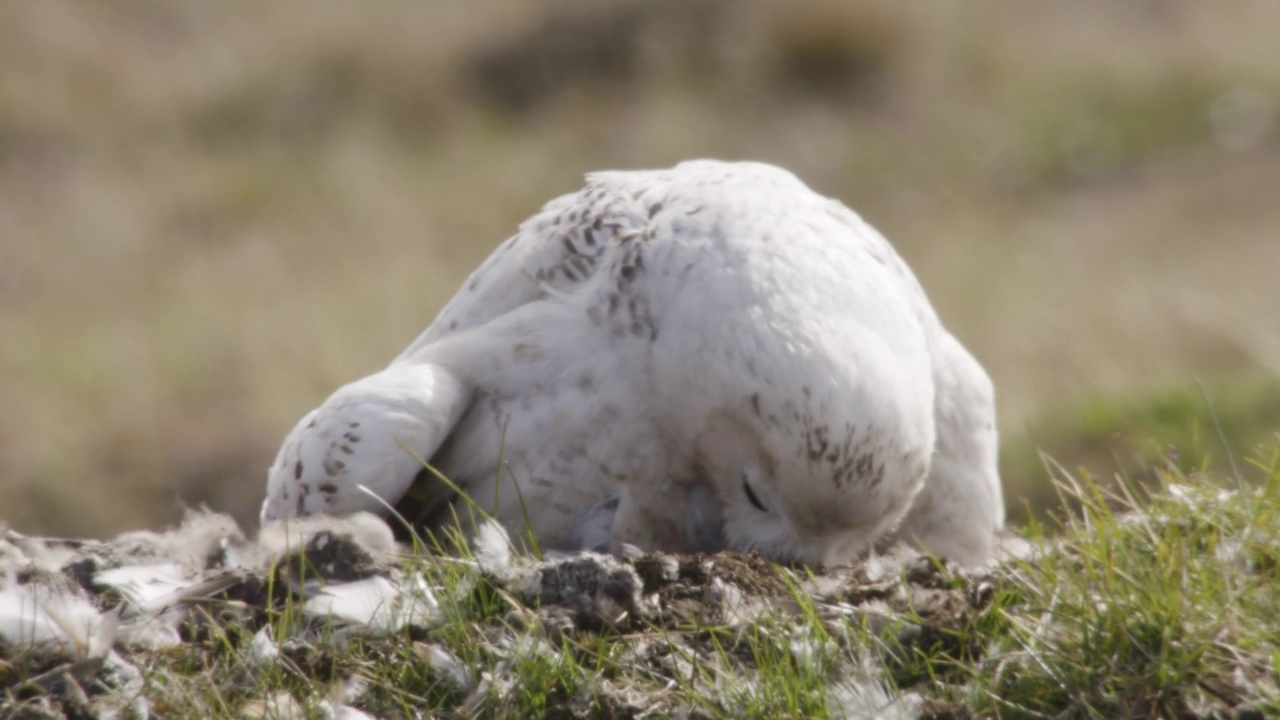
x=212 y=214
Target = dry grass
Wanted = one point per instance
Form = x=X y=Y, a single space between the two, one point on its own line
x=211 y=214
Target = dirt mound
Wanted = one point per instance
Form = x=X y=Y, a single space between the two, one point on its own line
x=81 y=622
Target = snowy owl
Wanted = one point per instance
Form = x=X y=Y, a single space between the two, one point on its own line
x=706 y=357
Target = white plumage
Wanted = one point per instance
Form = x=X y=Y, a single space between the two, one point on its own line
x=706 y=357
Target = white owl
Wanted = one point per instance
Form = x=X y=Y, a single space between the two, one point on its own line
x=707 y=357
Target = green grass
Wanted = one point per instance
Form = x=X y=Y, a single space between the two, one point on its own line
x=1165 y=612
x=1140 y=602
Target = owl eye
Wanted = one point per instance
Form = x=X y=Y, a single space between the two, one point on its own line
x=751 y=497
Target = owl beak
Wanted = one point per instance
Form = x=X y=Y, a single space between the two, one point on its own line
x=706 y=520
x=840 y=552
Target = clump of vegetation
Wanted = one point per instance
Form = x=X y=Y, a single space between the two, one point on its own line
x=1158 y=607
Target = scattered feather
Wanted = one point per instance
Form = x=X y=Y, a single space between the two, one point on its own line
x=491 y=547
x=447 y=666
x=37 y=615
x=377 y=604
x=278 y=705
